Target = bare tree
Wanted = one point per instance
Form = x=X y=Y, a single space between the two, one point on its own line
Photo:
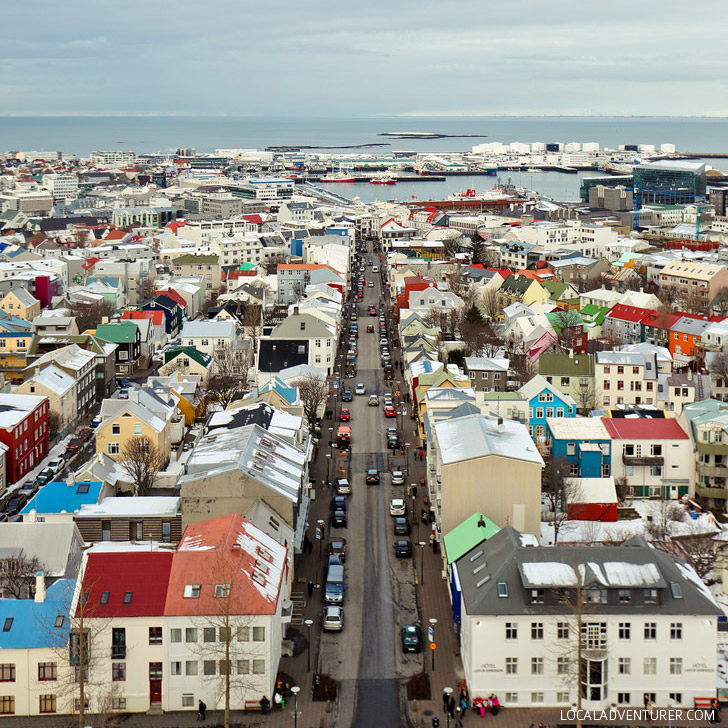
x=586 y=396
x=146 y=288
x=17 y=576
x=312 y=391
x=559 y=489
x=90 y=315
x=141 y=461
x=54 y=423
x=252 y=322
x=271 y=265
x=452 y=245
x=229 y=374
x=700 y=549
x=489 y=303
x=719 y=366
x=569 y=325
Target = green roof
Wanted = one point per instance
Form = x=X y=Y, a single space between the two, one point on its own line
x=555 y=288
x=190 y=259
x=572 y=319
x=499 y=396
x=190 y=351
x=594 y=312
x=467 y=536
x=562 y=365
x=123 y=332
x=247 y=266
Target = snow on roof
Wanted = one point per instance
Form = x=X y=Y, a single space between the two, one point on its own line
x=149 y=506
x=14 y=408
x=689 y=573
x=54 y=379
x=548 y=573
x=592 y=490
x=577 y=428
x=621 y=573
x=211 y=329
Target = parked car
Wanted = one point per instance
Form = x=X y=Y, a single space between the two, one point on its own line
x=74 y=445
x=372 y=476
x=338 y=519
x=343 y=486
x=344 y=415
x=333 y=619
x=390 y=411
x=45 y=476
x=401 y=526
x=360 y=389
x=337 y=546
x=397 y=477
x=403 y=549
x=96 y=421
x=346 y=395
x=397 y=507
x=86 y=433
x=411 y=638
x=392 y=442
x=338 y=503
x=56 y=465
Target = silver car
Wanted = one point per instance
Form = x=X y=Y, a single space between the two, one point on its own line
x=333 y=619
x=397 y=477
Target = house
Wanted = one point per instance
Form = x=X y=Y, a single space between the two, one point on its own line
x=677 y=389
x=173 y=312
x=51 y=324
x=16 y=339
x=186 y=388
x=187 y=360
x=306 y=330
x=521 y=289
x=157 y=336
x=434 y=299
x=626 y=377
x=545 y=400
x=591 y=499
x=143 y=413
x=20 y=303
x=81 y=366
x=128 y=339
x=210 y=336
x=470 y=460
x=583 y=443
x=207 y=266
x=646 y=621
x=59 y=501
x=24 y=431
x=582 y=272
x=573 y=375
x=693 y=282
x=652 y=457
x=487 y=374
x=60 y=391
x=152 y=518
x=685 y=335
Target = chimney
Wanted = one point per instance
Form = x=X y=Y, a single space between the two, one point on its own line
x=40 y=590
x=32 y=516
x=501 y=426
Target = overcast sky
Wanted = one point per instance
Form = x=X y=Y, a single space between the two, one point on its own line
x=377 y=57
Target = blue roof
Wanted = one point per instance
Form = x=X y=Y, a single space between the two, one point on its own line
x=290 y=394
x=27 y=624
x=59 y=496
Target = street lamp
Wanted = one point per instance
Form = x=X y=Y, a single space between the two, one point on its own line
x=295 y=690
x=308 y=623
x=329 y=457
x=422 y=545
x=406 y=457
x=448 y=692
x=321 y=533
x=433 y=622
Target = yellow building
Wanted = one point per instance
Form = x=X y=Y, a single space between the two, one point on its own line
x=21 y=304
x=520 y=289
x=16 y=338
x=60 y=388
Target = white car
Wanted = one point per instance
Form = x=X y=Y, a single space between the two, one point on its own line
x=370 y=284
x=360 y=389
x=375 y=269
x=333 y=619
x=373 y=400
x=397 y=477
x=56 y=465
x=343 y=487
x=396 y=507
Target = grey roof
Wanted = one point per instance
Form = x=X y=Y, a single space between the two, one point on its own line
x=495 y=364
x=687 y=325
x=56 y=545
x=208 y=329
x=505 y=558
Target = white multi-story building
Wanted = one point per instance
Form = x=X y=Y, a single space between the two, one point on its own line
x=113 y=157
x=62 y=185
x=647 y=623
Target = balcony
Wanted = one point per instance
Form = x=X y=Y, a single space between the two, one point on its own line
x=708 y=492
x=713 y=471
x=118 y=652
x=643 y=459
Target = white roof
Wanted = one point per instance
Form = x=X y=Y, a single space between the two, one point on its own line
x=475 y=436
x=149 y=506
x=578 y=428
x=54 y=379
x=210 y=329
x=18 y=406
x=592 y=490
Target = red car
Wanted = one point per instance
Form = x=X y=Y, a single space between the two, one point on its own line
x=389 y=411
x=344 y=415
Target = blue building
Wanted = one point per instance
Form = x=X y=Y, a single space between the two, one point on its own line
x=584 y=443
x=545 y=401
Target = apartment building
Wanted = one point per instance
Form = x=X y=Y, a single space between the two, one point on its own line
x=693 y=282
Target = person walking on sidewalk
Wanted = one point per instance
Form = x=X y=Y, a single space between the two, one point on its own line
x=458 y=718
x=201 y=708
x=451 y=706
x=445 y=702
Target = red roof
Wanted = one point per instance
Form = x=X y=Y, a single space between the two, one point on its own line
x=109 y=577
x=233 y=275
x=115 y=235
x=628 y=313
x=255 y=219
x=156 y=317
x=173 y=295
x=226 y=550
x=175 y=226
x=644 y=428
x=503 y=272
x=90 y=263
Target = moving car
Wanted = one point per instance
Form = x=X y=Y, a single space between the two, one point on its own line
x=401 y=526
x=397 y=507
x=403 y=549
x=370 y=329
x=333 y=619
x=372 y=476
x=397 y=477
x=411 y=638
x=360 y=389
x=370 y=284
x=373 y=400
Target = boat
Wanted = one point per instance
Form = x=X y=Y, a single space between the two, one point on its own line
x=382 y=179
x=533 y=170
x=337 y=177
x=469 y=194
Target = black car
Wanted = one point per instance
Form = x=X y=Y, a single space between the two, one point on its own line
x=346 y=395
x=338 y=503
x=401 y=526
x=403 y=549
x=411 y=638
x=392 y=442
x=372 y=476
x=337 y=547
x=338 y=519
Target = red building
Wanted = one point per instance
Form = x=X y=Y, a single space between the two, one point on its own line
x=24 y=430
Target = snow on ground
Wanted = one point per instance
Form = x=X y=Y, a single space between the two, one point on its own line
x=589 y=531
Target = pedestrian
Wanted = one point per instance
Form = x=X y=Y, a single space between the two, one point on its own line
x=715 y=712
x=310 y=588
x=451 y=706
x=422 y=455
x=201 y=708
x=444 y=702
x=646 y=700
x=458 y=717
x=310 y=546
x=264 y=705
x=277 y=699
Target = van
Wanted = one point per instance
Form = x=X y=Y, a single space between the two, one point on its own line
x=334 y=590
x=343 y=437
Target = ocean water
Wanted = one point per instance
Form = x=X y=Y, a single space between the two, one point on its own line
x=80 y=135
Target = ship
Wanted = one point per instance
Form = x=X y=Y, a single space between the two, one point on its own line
x=337 y=176
x=382 y=179
x=469 y=194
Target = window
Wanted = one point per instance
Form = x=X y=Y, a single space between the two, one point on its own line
x=650 y=630
x=104 y=597
x=192 y=591
x=511 y=631
x=258 y=667
x=511 y=698
x=676 y=698
x=537 y=697
x=511 y=665
x=47 y=703
x=676 y=666
x=562 y=697
x=191 y=667
x=118 y=643
x=536 y=630
x=625 y=596
x=188 y=700
x=118 y=671
x=625 y=665
x=539 y=413
x=243 y=667
x=623 y=698
x=562 y=665
x=47 y=671
x=222 y=590
x=258 y=634
x=595 y=595
x=175 y=668
x=537 y=596
x=650 y=666
x=676 y=630
x=118 y=703
x=190 y=634
x=209 y=634
x=656 y=472
x=113 y=448
x=562 y=630
x=656 y=450
x=225 y=634
x=7 y=672
x=137 y=428
x=155 y=635
x=155 y=670
x=571 y=448
x=594 y=635
x=116 y=429
x=7 y=703
x=175 y=635
x=502 y=589
x=650 y=596
x=243 y=634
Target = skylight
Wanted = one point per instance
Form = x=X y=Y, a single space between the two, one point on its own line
x=676 y=590
x=8 y=624
x=502 y=589
x=127 y=597
x=104 y=598
x=83 y=488
x=192 y=591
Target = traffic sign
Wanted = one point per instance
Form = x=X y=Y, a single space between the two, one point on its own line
x=404 y=411
x=433 y=646
x=430 y=634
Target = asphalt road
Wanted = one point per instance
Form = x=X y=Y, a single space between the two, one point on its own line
x=364 y=658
